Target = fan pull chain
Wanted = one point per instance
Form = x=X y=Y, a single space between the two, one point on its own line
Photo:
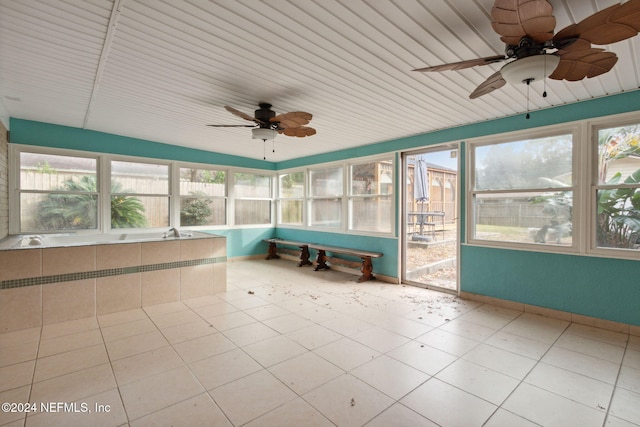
x=544 y=90
x=264 y=148
x=528 y=116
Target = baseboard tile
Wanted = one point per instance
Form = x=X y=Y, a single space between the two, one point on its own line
x=556 y=314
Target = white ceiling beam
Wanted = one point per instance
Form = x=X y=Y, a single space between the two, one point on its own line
x=118 y=5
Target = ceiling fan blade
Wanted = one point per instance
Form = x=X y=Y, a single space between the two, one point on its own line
x=454 y=66
x=292 y=119
x=232 y=126
x=495 y=81
x=241 y=114
x=613 y=24
x=514 y=19
x=576 y=65
x=568 y=39
x=300 y=131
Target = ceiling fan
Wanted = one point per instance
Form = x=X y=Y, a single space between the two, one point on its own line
x=266 y=124
x=527 y=29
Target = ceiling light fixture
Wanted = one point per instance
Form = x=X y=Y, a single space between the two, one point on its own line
x=528 y=69
x=536 y=67
x=265 y=134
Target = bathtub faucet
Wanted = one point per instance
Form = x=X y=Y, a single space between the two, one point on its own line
x=176 y=232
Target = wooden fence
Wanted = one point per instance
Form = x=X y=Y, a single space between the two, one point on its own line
x=153 y=194
x=521 y=214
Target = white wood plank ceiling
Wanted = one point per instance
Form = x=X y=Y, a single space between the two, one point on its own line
x=163 y=69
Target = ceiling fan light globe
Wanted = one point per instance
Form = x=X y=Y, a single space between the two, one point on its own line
x=263 y=134
x=531 y=68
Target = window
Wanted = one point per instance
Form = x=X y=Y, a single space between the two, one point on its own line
x=67 y=190
x=252 y=194
x=203 y=197
x=326 y=190
x=522 y=191
x=291 y=198
x=370 y=201
x=617 y=189
x=57 y=193
x=139 y=195
x=365 y=200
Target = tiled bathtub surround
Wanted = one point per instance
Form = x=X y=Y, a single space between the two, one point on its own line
x=51 y=285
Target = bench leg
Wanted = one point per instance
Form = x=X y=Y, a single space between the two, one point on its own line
x=273 y=251
x=367 y=270
x=304 y=256
x=321 y=261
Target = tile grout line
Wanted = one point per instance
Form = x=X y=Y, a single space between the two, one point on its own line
x=267 y=369
x=615 y=385
x=186 y=365
x=115 y=379
x=462 y=355
x=35 y=366
x=394 y=401
x=522 y=381
x=118 y=386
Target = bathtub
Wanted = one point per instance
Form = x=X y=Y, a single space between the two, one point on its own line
x=73 y=239
x=47 y=279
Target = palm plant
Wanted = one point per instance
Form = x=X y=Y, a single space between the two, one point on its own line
x=618 y=207
x=126 y=211
x=619 y=213
x=76 y=208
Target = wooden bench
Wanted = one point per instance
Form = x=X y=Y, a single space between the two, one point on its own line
x=273 y=249
x=367 y=266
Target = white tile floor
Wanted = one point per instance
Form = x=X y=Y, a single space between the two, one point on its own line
x=312 y=348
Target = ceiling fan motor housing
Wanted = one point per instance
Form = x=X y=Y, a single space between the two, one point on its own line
x=526 y=47
x=264 y=114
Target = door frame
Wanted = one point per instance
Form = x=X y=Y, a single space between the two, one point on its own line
x=403 y=228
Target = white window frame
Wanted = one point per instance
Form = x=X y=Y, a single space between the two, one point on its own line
x=311 y=197
x=105 y=191
x=577 y=187
x=346 y=195
x=585 y=183
x=302 y=199
x=15 y=190
x=592 y=184
x=351 y=197
x=176 y=190
x=233 y=198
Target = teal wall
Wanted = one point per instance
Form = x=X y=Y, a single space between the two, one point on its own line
x=599 y=287
x=386 y=265
x=245 y=241
x=44 y=134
